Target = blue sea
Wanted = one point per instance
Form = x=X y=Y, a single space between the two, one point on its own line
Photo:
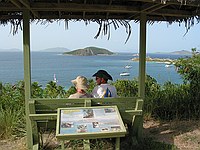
x=46 y=64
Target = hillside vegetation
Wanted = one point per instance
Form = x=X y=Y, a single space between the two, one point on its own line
x=89 y=51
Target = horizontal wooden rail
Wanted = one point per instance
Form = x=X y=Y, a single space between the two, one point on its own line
x=39 y=117
x=134 y=112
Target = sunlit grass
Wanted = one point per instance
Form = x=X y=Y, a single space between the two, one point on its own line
x=11 y=124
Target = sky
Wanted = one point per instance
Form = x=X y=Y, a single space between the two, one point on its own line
x=161 y=37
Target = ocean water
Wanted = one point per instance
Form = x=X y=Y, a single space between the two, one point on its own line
x=66 y=68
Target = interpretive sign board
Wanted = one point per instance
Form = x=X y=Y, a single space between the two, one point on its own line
x=89 y=123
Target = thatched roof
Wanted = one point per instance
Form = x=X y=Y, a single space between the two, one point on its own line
x=104 y=12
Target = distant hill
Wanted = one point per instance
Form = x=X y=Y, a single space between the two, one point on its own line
x=10 y=50
x=55 y=49
x=182 y=52
x=89 y=51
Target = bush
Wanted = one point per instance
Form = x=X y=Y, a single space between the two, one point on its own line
x=126 y=88
x=12 y=123
x=152 y=89
x=12 y=110
x=52 y=90
x=172 y=102
x=189 y=69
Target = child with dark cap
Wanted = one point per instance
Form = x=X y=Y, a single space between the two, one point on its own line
x=103 y=89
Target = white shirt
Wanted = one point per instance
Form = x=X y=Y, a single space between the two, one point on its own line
x=104 y=90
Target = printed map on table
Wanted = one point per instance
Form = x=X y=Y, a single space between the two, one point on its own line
x=89 y=120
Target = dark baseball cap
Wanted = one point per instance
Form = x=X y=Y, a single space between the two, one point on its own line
x=103 y=74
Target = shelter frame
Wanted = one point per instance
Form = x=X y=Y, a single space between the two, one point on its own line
x=27 y=68
x=99 y=11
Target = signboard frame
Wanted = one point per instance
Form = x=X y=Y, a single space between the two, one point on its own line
x=89 y=123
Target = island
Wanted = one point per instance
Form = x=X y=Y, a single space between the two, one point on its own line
x=164 y=60
x=89 y=51
x=182 y=52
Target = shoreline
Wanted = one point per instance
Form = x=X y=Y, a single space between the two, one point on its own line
x=159 y=60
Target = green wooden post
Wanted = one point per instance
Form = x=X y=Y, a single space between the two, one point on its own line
x=63 y=145
x=142 y=56
x=117 y=143
x=142 y=69
x=27 y=74
x=34 y=128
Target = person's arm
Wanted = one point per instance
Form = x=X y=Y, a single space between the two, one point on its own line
x=114 y=92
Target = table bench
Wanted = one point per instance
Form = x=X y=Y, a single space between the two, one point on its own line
x=43 y=113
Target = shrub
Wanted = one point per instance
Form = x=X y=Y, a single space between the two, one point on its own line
x=12 y=110
x=172 y=102
x=126 y=88
x=152 y=89
x=53 y=91
x=36 y=90
x=12 y=123
x=189 y=69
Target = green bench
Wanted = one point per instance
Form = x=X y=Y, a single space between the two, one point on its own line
x=43 y=113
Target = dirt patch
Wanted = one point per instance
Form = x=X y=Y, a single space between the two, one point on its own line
x=185 y=135
x=11 y=144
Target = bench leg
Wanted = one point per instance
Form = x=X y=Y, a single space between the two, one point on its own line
x=117 y=143
x=86 y=144
x=62 y=144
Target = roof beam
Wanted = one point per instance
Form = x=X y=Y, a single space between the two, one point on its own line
x=146 y=8
x=110 y=9
x=27 y=5
x=69 y=7
x=152 y=10
x=59 y=13
x=83 y=7
x=88 y=17
x=107 y=14
x=16 y=3
x=84 y=11
x=174 y=2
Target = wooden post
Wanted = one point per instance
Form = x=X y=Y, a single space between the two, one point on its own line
x=142 y=56
x=117 y=143
x=27 y=74
x=142 y=70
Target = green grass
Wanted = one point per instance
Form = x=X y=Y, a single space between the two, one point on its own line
x=11 y=123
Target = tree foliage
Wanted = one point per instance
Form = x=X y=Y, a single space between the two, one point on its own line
x=126 y=88
x=53 y=90
x=189 y=69
x=12 y=110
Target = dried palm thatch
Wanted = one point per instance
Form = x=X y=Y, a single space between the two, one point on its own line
x=105 y=13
